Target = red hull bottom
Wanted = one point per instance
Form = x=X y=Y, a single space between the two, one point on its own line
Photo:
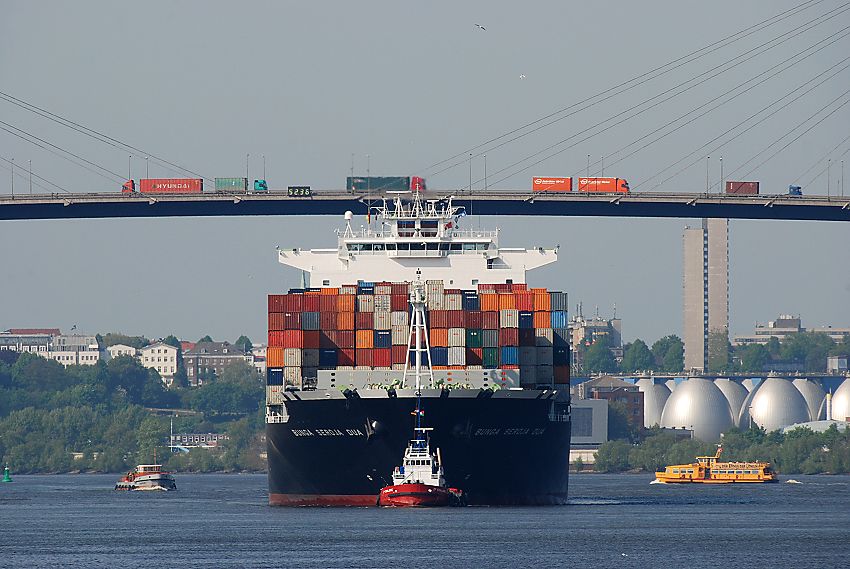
x=358 y=500
x=415 y=495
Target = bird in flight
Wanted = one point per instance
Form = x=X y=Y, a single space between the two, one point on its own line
x=480 y=27
x=522 y=76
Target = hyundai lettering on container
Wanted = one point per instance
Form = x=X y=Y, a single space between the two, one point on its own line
x=171 y=186
x=603 y=185
x=551 y=184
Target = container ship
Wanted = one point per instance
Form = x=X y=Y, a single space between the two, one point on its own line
x=339 y=404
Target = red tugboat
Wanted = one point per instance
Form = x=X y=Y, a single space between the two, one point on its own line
x=419 y=481
x=147 y=477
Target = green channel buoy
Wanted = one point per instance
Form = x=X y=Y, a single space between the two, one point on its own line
x=6 y=476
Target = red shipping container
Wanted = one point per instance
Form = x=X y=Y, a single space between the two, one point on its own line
x=328 y=339
x=276 y=302
x=509 y=337
x=456 y=319
x=292 y=303
x=293 y=339
x=345 y=302
x=502 y=287
x=345 y=357
x=399 y=354
x=291 y=320
x=382 y=357
x=363 y=357
x=345 y=321
x=276 y=321
x=171 y=186
x=474 y=319
x=518 y=287
x=524 y=301
x=526 y=337
x=327 y=320
x=276 y=338
x=452 y=291
x=562 y=374
x=400 y=288
x=474 y=356
x=345 y=339
x=311 y=339
x=490 y=320
x=311 y=302
x=438 y=318
x=327 y=302
x=364 y=320
x=399 y=302
x=742 y=188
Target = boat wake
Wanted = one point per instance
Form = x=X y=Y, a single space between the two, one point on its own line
x=792 y=481
x=657 y=481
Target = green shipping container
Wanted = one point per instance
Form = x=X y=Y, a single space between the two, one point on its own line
x=491 y=358
x=231 y=184
x=474 y=338
x=377 y=183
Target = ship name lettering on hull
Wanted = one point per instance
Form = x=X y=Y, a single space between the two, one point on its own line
x=512 y=432
x=327 y=433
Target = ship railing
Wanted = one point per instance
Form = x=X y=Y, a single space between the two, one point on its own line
x=559 y=417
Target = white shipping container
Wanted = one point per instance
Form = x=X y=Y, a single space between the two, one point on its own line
x=457 y=338
x=292 y=376
x=274 y=395
x=401 y=318
x=383 y=289
x=457 y=356
x=543 y=337
x=348 y=289
x=347 y=368
x=400 y=335
x=365 y=303
x=309 y=358
x=527 y=356
x=434 y=287
x=509 y=318
x=292 y=357
x=544 y=356
x=383 y=302
x=398 y=366
x=360 y=368
x=475 y=367
x=453 y=302
x=382 y=320
x=435 y=301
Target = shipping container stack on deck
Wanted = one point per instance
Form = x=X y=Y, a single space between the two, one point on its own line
x=367 y=326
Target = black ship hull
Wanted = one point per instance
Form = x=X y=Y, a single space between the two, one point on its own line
x=499 y=448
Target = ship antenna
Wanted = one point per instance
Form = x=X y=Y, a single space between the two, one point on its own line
x=417 y=344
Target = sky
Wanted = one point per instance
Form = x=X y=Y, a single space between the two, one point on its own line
x=402 y=86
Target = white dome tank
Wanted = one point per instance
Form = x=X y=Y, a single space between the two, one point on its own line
x=774 y=405
x=654 y=397
x=671 y=384
x=749 y=384
x=814 y=396
x=841 y=402
x=735 y=394
x=698 y=404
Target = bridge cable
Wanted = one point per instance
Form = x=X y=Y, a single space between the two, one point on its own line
x=799 y=95
x=11 y=168
x=825 y=156
x=640 y=78
x=825 y=168
x=633 y=108
x=44 y=142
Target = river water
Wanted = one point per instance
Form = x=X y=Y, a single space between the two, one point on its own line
x=78 y=521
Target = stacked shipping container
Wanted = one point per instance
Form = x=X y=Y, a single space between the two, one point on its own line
x=367 y=326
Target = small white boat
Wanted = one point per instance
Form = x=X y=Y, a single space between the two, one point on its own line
x=147 y=477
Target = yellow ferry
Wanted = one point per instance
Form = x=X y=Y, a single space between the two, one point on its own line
x=707 y=470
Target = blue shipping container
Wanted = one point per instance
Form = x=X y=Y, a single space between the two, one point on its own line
x=328 y=358
x=440 y=356
x=274 y=376
x=561 y=356
x=383 y=339
x=526 y=320
x=561 y=337
x=559 y=319
x=510 y=355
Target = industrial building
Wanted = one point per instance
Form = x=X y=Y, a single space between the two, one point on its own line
x=706 y=294
x=784 y=326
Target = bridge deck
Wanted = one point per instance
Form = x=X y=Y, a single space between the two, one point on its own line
x=674 y=205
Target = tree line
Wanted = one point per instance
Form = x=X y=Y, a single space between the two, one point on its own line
x=805 y=351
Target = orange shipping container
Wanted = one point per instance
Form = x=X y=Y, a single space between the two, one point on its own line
x=551 y=184
x=542 y=301
x=329 y=291
x=345 y=321
x=603 y=185
x=542 y=319
x=524 y=301
x=345 y=302
x=489 y=301
x=364 y=339
x=274 y=357
x=507 y=301
x=439 y=337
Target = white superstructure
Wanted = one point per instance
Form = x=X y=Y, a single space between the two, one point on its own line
x=416 y=234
